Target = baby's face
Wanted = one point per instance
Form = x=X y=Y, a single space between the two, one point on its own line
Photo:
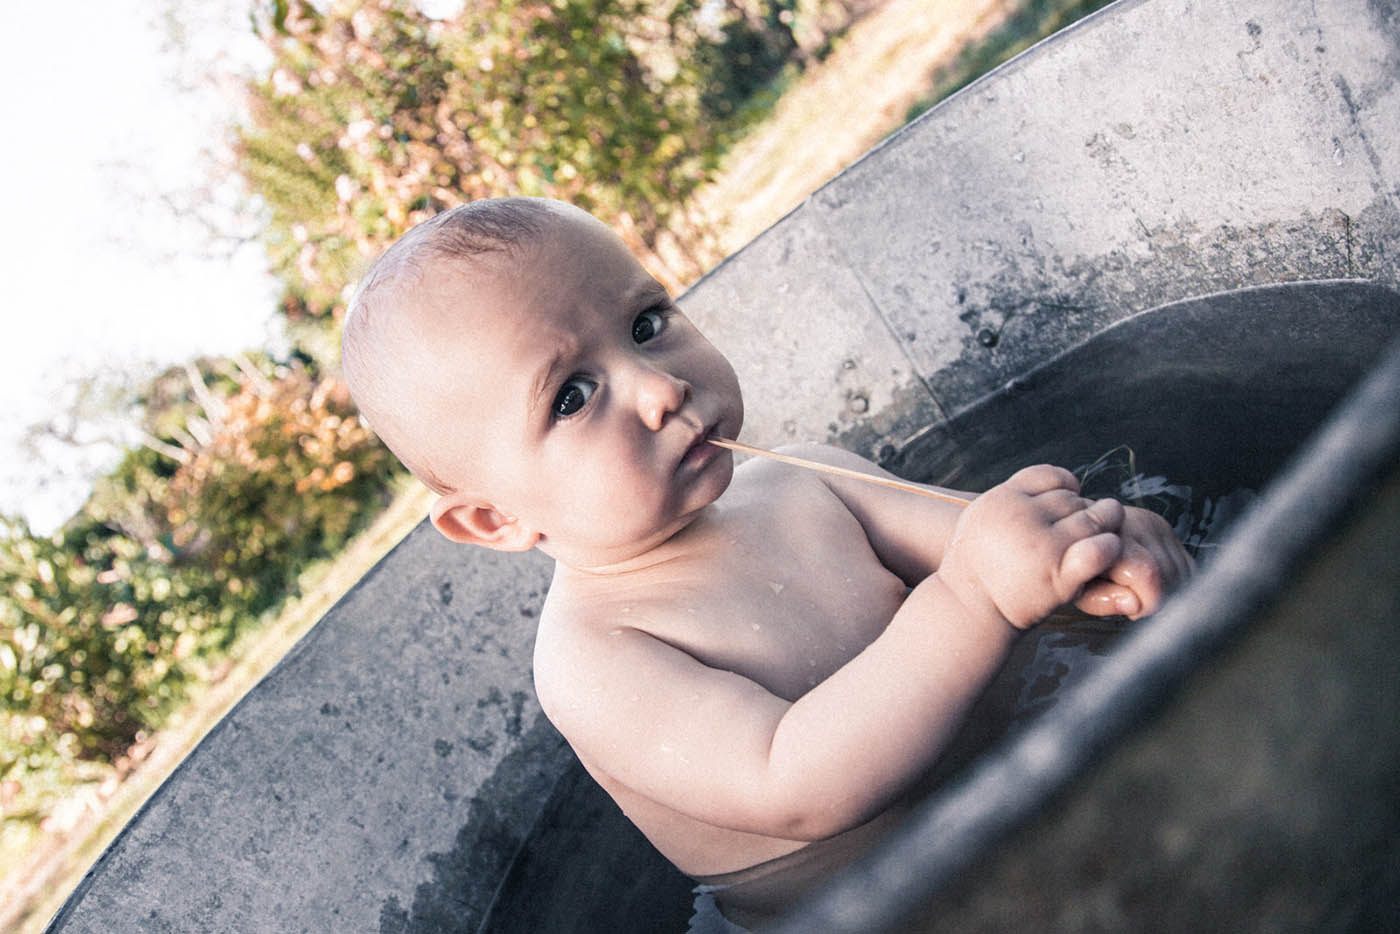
x=587 y=395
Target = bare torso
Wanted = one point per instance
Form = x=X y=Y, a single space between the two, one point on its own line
x=763 y=692
x=775 y=582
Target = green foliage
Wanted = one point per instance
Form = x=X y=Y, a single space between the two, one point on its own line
x=103 y=624
x=374 y=117
x=38 y=779
x=289 y=475
x=750 y=55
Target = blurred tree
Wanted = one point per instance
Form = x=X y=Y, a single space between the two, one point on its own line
x=745 y=56
x=252 y=472
x=375 y=116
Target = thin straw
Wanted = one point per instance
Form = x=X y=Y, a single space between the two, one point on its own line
x=839 y=471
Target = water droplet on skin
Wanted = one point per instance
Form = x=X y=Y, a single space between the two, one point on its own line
x=756 y=627
x=627 y=609
x=614 y=632
x=777 y=587
x=811 y=662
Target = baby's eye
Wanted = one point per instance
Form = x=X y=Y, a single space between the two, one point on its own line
x=572 y=397
x=647 y=325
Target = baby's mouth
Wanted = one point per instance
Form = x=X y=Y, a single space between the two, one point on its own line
x=700 y=447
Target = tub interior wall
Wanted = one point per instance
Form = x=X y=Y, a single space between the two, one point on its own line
x=1215 y=392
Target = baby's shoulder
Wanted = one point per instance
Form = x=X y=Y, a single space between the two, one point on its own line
x=590 y=636
x=763 y=480
x=579 y=617
x=561 y=648
x=788 y=497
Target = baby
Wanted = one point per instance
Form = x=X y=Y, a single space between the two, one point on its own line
x=757 y=663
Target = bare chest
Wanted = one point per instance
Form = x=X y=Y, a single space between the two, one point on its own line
x=789 y=592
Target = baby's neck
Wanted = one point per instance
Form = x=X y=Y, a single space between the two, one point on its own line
x=669 y=546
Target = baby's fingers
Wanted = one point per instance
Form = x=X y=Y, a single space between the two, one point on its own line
x=1042 y=478
x=1148 y=572
x=1085 y=560
x=1153 y=533
x=1105 y=515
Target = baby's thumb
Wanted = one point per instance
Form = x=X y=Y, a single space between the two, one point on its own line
x=1102 y=597
x=1086 y=559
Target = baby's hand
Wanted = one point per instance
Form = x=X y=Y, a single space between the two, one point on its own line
x=1027 y=546
x=1152 y=564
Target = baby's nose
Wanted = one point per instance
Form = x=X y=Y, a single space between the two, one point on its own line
x=658 y=395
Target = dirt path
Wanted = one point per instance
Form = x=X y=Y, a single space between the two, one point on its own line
x=840 y=109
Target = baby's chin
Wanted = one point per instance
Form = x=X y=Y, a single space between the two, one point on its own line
x=711 y=484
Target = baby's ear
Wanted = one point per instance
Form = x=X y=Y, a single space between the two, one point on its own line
x=477 y=523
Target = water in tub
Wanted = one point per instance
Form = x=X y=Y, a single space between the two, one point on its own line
x=1060 y=654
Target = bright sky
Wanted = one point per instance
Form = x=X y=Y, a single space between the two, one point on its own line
x=98 y=271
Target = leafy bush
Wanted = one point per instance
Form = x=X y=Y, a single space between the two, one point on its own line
x=375 y=117
x=103 y=623
x=289 y=475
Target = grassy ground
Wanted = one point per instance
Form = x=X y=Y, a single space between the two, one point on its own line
x=888 y=67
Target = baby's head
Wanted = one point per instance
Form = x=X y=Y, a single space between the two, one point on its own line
x=518 y=359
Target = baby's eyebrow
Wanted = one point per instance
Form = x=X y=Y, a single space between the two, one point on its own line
x=545 y=378
x=652 y=291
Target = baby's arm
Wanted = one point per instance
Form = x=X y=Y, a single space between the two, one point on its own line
x=719 y=747
x=909 y=533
